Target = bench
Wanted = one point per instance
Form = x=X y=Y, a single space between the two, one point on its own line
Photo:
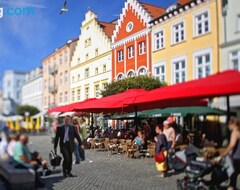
x=17 y=179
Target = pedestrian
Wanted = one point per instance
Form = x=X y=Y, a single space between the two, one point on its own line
x=75 y=122
x=234 y=149
x=161 y=145
x=83 y=132
x=66 y=133
x=169 y=132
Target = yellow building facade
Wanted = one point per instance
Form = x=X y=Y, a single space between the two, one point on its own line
x=185 y=42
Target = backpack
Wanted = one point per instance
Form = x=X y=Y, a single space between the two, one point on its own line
x=55 y=159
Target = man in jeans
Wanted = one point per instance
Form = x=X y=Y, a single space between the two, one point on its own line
x=83 y=133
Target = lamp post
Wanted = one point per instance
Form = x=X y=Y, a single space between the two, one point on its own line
x=27 y=119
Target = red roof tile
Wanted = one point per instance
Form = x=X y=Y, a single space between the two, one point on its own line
x=108 y=28
x=182 y=2
x=153 y=10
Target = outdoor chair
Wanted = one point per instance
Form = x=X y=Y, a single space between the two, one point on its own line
x=113 y=146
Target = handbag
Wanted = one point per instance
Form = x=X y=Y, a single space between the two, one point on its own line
x=55 y=159
x=159 y=157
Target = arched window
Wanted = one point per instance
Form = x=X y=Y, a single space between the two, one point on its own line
x=120 y=77
x=142 y=72
x=131 y=74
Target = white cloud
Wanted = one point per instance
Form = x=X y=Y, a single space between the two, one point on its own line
x=26 y=4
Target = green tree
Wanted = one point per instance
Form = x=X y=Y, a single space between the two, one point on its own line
x=144 y=82
x=32 y=110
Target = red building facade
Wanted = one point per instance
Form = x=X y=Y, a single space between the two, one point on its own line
x=131 y=40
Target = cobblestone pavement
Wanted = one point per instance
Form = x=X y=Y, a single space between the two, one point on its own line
x=101 y=171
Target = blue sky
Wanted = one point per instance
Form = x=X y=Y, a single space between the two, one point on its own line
x=26 y=40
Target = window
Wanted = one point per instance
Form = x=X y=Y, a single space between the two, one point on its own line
x=202 y=23
x=159 y=40
x=61 y=80
x=96 y=52
x=73 y=96
x=120 y=77
x=179 y=70
x=104 y=86
x=87 y=73
x=66 y=76
x=60 y=59
x=18 y=83
x=96 y=70
x=66 y=56
x=130 y=52
x=78 y=94
x=87 y=56
x=104 y=68
x=235 y=60
x=73 y=79
x=142 y=47
x=79 y=77
x=87 y=42
x=61 y=98
x=159 y=71
x=238 y=23
x=86 y=92
x=178 y=32
x=18 y=95
x=66 y=96
x=9 y=82
x=97 y=91
x=202 y=63
x=120 y=55
x=142 y=72
x=131 y=74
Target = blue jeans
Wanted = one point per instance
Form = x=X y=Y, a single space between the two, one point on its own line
x=77 y=153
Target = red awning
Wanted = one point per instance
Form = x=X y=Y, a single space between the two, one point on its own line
x=220 y=84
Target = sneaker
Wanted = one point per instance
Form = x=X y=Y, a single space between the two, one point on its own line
x=70 y=175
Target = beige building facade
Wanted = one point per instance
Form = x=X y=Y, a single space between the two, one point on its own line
x=56 y=75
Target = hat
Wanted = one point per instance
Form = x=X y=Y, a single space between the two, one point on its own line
x=166 y=122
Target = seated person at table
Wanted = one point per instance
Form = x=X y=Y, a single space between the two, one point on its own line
x=139 y=141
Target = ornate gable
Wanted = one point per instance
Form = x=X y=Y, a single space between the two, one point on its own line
x=142 y=15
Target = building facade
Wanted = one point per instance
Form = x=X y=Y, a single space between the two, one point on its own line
x=32 y=89
x=185 y=41
x=91 y=62
x=56 y=76
x=230 y=46
x=1 y=101
x=131 y=40
x=12 y=86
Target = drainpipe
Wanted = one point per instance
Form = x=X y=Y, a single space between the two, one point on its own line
x=218 y=45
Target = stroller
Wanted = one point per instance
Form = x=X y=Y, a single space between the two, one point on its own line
x=180 y=159
x=197 y=170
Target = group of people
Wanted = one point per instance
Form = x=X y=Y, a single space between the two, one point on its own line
x=15 y=149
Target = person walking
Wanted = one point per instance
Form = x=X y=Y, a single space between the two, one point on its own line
x=83 y=133
x=75 y=122
x=234 y=149
x=161 y=145
x=66 y=133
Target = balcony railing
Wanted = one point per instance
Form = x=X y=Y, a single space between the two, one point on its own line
x=53 y=70
x=52 y=89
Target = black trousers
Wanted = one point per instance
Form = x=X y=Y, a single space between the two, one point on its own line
x=67 y=158
x=233 y=179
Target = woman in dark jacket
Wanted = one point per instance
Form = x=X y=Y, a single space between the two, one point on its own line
x=161 y=145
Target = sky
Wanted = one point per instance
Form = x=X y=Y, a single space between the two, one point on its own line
x=26 y=39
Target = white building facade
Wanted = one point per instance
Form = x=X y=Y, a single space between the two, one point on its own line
x=32 y=89
x=91 y=61
x=12 y=94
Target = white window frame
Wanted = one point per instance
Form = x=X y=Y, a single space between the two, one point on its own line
x=173 y=62
x=195 y=21
x=141 y=74
x=142 y=47
x=78 y=94
x=86 y=92
x=87 y=73
x=131 y=71
x=120 y=76
x=130 y=52
x=120 y=55
x=238 y=23
x=159 y=41
x=160 y=64
x=195 y=66
x=66 y=76
x=173 y=32
x=97 y=90
x=73 y=95
x=66 y=96
x=231 y=58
